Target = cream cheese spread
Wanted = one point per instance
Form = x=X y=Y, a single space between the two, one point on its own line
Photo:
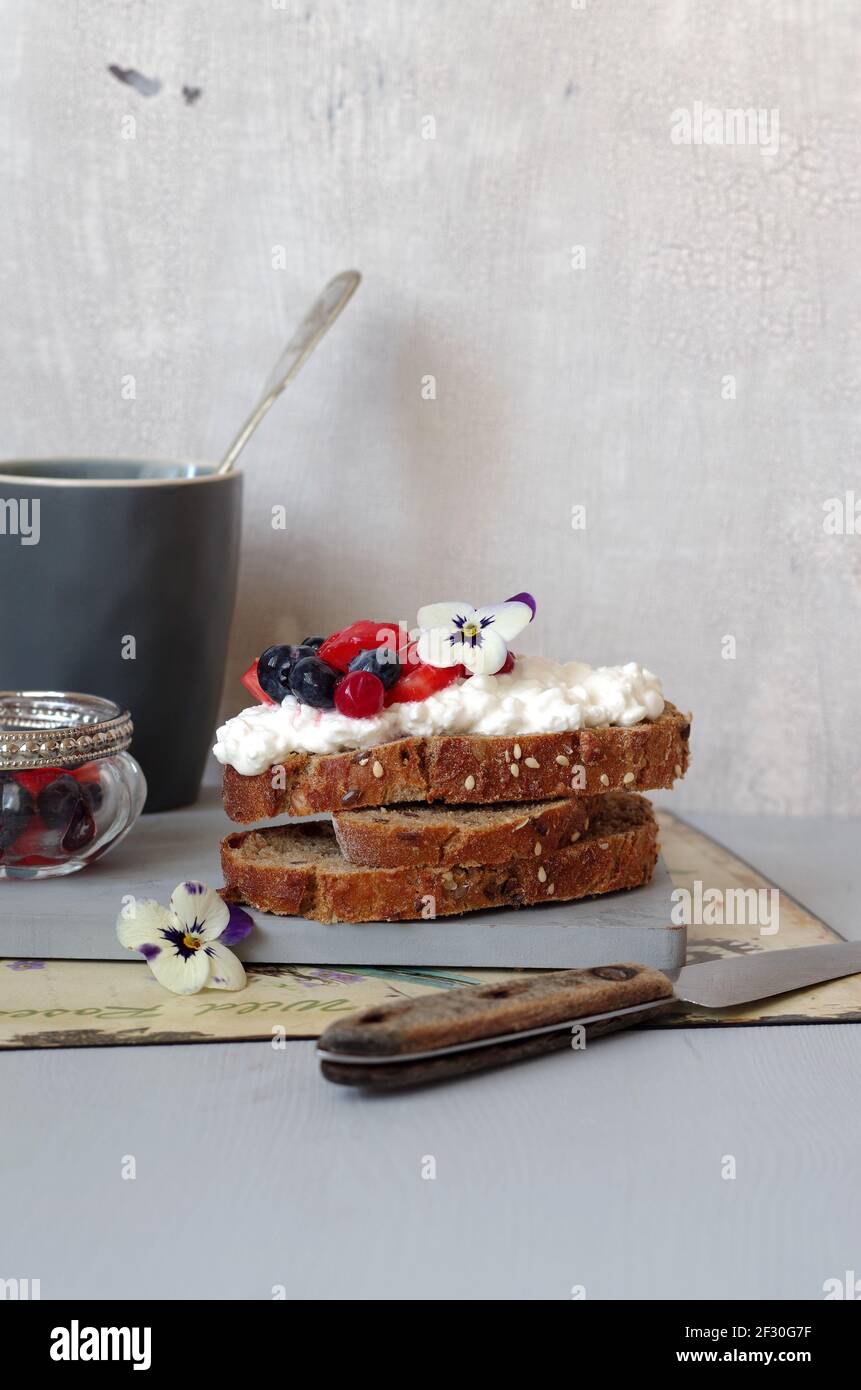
x=538 y=697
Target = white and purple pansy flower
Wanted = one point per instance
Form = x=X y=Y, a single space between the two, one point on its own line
x=186 y=944
x=455 y=634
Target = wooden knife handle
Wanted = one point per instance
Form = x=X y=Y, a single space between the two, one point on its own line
x=377 y=1045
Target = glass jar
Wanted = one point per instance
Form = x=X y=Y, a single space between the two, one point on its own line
x=69 y=788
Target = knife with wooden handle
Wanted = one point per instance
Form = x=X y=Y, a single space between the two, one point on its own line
x=413 y=1041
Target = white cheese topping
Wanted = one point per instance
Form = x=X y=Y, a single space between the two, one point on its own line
x=538 y=697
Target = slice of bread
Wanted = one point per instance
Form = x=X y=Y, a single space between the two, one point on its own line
x=294 y=870
x=390 y=837
x=469 y=769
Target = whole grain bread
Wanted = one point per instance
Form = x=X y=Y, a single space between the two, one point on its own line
x=469 y=769
x=296 y=870
x=389 y=837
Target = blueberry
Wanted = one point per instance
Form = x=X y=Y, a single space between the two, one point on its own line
x=274 y=667
x=273 y=660
x=59 y=801
x=382 y=662
x=314 y=642
x=16 y=808
x=313 y=682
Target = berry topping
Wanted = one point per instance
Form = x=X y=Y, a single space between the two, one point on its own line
x=359 y=694
x=310 y=670
x=252 y=685
x=382 y=662
x=59 y=801
x=274 y=667
x=313 y=681
x=422 y=681
x=341 y=647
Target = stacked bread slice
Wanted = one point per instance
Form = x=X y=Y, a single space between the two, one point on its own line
x=429 y=827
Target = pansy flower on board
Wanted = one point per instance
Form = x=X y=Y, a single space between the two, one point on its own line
x=186 y=945
x=456 y=634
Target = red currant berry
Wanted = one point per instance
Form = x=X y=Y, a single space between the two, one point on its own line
x=359 y=695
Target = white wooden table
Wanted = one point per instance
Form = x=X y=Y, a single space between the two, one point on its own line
x=600 y=1170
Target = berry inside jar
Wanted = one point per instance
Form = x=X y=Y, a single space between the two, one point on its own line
x=51 y=815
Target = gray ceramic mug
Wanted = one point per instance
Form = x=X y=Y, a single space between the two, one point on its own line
x=118 y=578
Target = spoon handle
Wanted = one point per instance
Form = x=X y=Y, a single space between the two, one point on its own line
x=313 y=327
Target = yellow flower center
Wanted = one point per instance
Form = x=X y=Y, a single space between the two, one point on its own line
x=192 y=943
x=471 y=629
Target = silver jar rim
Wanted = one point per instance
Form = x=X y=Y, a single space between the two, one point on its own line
x=53 y=728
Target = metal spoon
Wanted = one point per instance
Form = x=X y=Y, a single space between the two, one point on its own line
x=314 y=326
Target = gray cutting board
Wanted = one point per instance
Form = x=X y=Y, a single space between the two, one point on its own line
x=73 y=918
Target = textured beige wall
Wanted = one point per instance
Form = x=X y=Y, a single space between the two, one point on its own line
x=601 y=386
